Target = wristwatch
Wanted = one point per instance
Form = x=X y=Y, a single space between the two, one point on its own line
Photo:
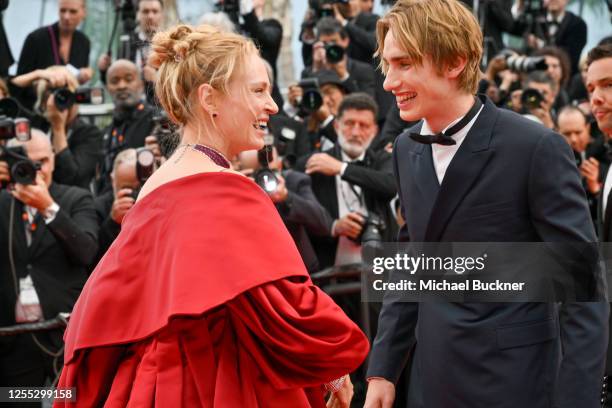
x=50 y=212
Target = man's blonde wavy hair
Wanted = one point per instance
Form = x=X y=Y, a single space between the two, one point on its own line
x=443 y=30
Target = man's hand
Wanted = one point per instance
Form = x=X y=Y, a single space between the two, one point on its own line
x=85 y=74
x=152 y=144
x=381 y=394
x=34 y=195
x=281 y=193
x=590 y=171
x=341 y=68
x=337 y=14
x=295 y=94
x=319 y=61
x=104 y=62
x=4 y=173
x=349 y=226
x=323 y=163
x=123 y=202
x=342 y=398
x=544 y=117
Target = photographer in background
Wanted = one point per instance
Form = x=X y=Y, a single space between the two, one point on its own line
x=132 y=117
x=591 y=157
x=559 y=70
x=58 y=44
x=293 y=197
x=538 y=97
x=48 y=236
x=77 y=144
x=553 y=25
x=131 y=168
x=329 y=52
x=149 y=19
x=354 y=184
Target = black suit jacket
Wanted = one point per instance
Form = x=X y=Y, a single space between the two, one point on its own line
x=58 y=256
x=76 y=165
x=303 y=215
x=512 y=180
x=375 y=178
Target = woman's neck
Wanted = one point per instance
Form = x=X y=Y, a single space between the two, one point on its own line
x=191 y=137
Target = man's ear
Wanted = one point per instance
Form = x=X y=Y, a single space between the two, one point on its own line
x=455 y=68
x=207 y=97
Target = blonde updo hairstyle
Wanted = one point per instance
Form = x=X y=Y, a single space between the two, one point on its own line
x=187 y=57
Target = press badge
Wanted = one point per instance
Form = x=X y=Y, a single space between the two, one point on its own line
x=27 y=308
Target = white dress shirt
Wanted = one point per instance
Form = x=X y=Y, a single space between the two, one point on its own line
x=443 y=155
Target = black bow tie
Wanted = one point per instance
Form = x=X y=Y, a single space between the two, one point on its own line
x=444 y=138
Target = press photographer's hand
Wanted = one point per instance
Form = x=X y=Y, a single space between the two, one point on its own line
x=323 y=163
x=4 y=172
x=281 y=193
x=349 y=226
x=123 y=202
x=33 y=195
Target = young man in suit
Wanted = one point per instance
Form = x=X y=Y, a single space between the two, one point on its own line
x=470 y=172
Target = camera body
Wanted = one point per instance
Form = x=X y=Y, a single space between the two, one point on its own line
x=64 y=98
x=22 y=170
x=231 y=8
x=145 y=164
x=266 y=177
x=371 y=232
x=311 y=99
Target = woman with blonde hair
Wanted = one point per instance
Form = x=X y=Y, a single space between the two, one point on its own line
x=203 y=300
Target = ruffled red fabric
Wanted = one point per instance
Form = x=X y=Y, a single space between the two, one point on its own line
x=203 y=300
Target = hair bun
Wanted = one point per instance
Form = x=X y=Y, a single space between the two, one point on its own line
x=171 y=46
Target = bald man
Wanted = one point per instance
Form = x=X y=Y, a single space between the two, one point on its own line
x=132 y=116
x=53 y=231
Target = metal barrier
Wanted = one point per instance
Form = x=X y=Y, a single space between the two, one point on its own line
x=61 y=321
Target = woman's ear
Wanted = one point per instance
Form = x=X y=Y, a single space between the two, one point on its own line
x=207 y=98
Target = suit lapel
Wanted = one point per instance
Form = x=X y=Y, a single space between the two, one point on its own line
x=424 y=173
x=463 y=171
x=19 y=239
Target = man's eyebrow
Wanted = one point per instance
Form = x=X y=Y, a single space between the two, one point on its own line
x=599 y=80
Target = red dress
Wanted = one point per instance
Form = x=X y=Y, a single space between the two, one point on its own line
x=203 y=301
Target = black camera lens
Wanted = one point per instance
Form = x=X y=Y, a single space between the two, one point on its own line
x=64 y=98
x=531 y=99
x=334 y=53
x=312 y=100
x=135 y=192
x=24 y=172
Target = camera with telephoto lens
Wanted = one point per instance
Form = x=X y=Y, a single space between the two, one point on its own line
x=531 y=99
x=166 y=134
x=311 y=97
x=264 y=176
x=333 y=53
x=64 y=98
x=523 y=64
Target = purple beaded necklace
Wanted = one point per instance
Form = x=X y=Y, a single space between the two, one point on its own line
x=212 y=154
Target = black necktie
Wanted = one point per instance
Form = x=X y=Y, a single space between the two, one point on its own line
x=444 y=138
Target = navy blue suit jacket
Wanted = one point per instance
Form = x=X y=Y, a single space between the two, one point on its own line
x=512 y=180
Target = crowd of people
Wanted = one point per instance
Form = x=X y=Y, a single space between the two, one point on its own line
x=327 y=164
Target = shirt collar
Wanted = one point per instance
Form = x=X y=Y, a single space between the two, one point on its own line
x=559 y=19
